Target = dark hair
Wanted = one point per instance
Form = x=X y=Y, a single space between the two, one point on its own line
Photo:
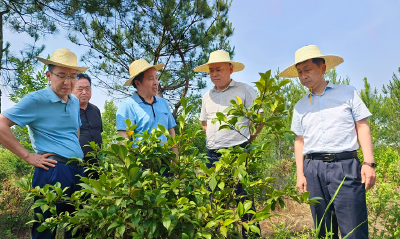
x=84 y=76
x=51 y=67
x=316 y=61
x=138 y=78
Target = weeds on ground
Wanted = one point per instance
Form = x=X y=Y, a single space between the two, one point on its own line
x=14 y=210
x=384 y=199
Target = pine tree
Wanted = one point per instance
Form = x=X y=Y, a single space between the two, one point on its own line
x=180 y=34
x=36 y=18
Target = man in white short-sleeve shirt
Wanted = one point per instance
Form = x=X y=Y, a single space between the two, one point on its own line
x=220 y=67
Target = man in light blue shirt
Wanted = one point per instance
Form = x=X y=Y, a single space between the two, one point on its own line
x=52 y=122
x=329 y=123
x=144 y=108
x=52 y=115
x=145 y=115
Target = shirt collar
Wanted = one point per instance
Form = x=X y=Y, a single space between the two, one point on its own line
x=140 y=99
x=88 y=107
x=53 y=97
x=233 y=83
x=329 y=86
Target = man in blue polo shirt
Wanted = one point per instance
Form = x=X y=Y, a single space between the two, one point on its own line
x=52 y=116
x=328 y=122
x=144 y=108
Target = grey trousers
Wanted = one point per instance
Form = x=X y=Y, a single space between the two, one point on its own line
x=349 y=208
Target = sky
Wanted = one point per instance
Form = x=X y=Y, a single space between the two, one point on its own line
x=365 y=33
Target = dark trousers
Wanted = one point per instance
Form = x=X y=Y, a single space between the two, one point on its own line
x=214 y=157
x=64 y=174
x=349 y=208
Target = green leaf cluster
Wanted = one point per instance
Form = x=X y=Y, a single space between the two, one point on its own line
x=133 y=198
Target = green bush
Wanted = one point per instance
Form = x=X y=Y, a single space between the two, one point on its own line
x=12 y=166
x=384 y=200
x=14 y=210
x=196 y=202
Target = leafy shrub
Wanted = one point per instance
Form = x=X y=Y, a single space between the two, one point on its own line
x=12 y=166
x=384 y=205
x=14 y=210
x=196 y=202
x=384 y=200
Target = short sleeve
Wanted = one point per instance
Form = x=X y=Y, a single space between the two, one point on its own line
x=359 y=109
x=203 y=110
x=250 y=95
x=124 y=113
x=296 y=123
x=24 y=112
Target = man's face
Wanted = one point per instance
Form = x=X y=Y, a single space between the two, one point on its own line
x=310 y=73
x=220 y=73
x=83 y=90
x=62 y=80
x=149 y=84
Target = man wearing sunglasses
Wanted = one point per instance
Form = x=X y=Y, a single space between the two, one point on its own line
x=92 y=125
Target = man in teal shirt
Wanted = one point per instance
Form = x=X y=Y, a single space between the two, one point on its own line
x=52 y=115
x=144 y=108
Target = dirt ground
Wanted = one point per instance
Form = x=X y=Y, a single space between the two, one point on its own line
x=23 y=234
x=294 y=217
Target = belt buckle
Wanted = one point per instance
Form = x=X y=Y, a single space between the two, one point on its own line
x=329 y=157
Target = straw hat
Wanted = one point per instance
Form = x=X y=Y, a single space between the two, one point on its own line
x=309 y=52
x=138 y=67
x=63 y=57
x=217 y=57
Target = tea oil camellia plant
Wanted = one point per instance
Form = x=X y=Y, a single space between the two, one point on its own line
x=133 y=201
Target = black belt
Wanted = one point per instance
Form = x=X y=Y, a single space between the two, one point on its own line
x=331 y=157
x=61 y=159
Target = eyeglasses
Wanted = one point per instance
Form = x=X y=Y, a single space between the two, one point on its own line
x=80 y=88
x=72 y=78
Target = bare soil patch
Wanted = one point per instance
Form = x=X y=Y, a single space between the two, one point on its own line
x=295 y=216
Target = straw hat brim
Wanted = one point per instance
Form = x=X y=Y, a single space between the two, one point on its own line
x=237 y=66
x=157 y=67
x=331 y=61
x=48 y=62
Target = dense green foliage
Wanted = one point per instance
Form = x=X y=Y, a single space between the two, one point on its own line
x=196 y=202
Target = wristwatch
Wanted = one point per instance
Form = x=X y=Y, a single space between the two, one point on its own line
x=370 y=164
